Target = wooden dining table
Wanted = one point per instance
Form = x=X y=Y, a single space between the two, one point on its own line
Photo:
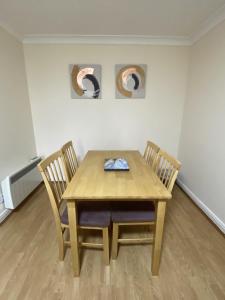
x=91 y=182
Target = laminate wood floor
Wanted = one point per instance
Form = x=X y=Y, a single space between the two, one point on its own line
x=192 y=266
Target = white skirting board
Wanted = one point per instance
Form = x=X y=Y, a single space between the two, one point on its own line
x=4 y=214
x=202 y=206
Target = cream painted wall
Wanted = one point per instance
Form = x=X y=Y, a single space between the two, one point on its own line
x=108 y=123
x=17 y=144
x=202 y=144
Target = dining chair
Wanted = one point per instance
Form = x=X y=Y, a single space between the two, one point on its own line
x=70 y=159
x=167 y=168
x=139 y=213
x=150 y=154
x=96 y=217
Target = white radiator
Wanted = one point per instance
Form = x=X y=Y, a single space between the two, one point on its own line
x=17 y=186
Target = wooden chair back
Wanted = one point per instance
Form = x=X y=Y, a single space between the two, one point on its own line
x=151 y=152
x=70 y=159
x=167 y=169
x=55 y=177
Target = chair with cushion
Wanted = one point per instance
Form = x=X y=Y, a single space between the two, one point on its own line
x=143 y=212
x=70 y=159
x=151 y=152
x=90 y=215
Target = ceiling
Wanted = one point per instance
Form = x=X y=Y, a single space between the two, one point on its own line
x=180 y=18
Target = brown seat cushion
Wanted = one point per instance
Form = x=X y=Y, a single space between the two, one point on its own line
x=93 y=214
x=133 y=211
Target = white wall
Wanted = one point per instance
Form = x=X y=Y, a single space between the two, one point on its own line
x=17 y=144
x=202 y=144
x=108 y=123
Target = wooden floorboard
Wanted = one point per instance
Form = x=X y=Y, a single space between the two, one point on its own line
x=192 y=265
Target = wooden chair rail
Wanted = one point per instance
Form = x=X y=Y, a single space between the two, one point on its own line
x=91 y=245
x=127 y=241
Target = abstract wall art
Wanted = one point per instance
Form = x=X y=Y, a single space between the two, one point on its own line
x=130 y=81
x=85 y=81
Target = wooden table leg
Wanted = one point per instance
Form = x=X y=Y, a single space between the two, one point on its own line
x=72 y=213
x=156 y=252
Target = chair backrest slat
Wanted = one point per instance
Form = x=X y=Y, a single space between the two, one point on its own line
x=55 y=177
x=70 y=159
x=167 y=169
x=151 y=152
x=56 y=181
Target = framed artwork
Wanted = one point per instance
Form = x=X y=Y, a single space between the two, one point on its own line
x=85 y=81
x=130 y=81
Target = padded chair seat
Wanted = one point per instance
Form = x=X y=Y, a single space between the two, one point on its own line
x=143 y=211
x=93 y=214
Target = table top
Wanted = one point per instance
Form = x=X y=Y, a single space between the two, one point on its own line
x=92 y=182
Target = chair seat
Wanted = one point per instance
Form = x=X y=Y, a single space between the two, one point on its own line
x=93 y=214
x=143 y=211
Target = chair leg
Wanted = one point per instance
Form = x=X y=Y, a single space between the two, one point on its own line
x=61 y=245
x=105 y=232
x=115 y=240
